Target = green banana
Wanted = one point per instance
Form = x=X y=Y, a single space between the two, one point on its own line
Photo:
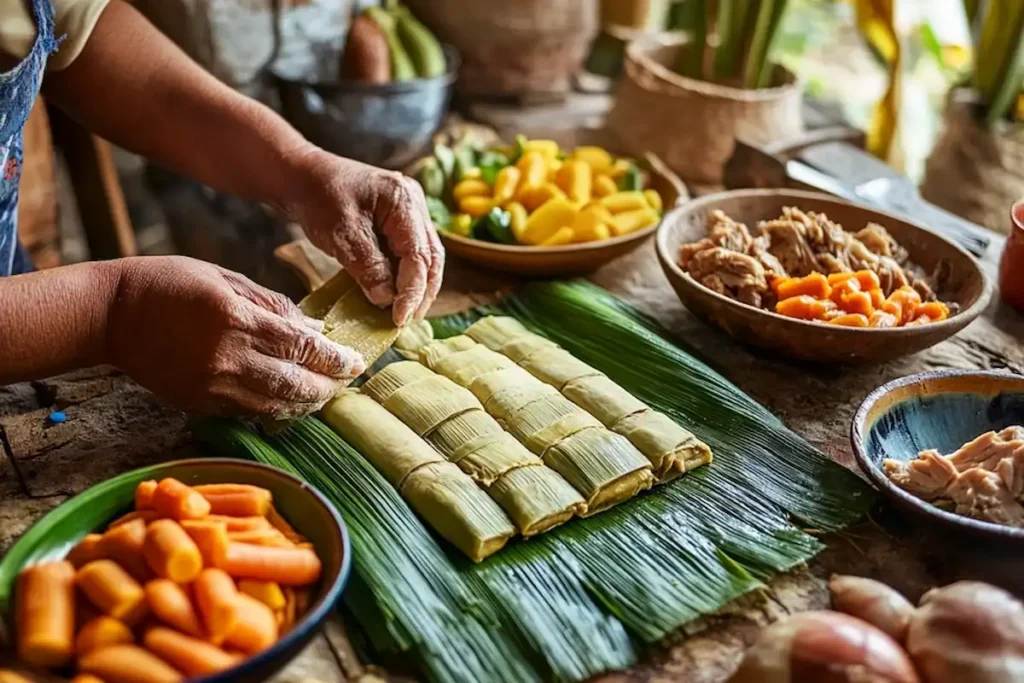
x=423 y=48
x=402 y=68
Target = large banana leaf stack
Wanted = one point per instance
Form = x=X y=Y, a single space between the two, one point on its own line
x=582 y=598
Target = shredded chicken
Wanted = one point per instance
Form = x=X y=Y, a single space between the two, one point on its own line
x=983 y=479
x=793 y=245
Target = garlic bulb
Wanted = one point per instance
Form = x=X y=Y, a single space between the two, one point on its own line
x=968 y=632
x=824 y=647
x=873 y=602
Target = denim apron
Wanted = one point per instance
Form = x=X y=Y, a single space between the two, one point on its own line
x=18 y=90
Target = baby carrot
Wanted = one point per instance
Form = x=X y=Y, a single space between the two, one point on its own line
x=178 y=501
x=146 y=516
x=908 y=300
x=267 y=592
x=45 y=614
x=144 y=495
x=935 y=310
x=171 y=553
x=256 y=628
x=268 y=537
x=814 y=285
x=86 y=678
x=217 y=600
x=192 y=656
x=110 y=588
x=287 y=566
x=850 y=320
x=211 y=537
x=877 y=297
x=103 y=631
x=282 y=525
x=171 y=604
x=240 y=523
x=857 y=302
x=123 y=544
x=236 y=500
x=87 y=550
x=127 y=664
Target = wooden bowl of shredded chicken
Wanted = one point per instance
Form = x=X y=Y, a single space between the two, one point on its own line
x=760 y=235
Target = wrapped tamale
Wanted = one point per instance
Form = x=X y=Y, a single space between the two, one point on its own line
x=425 y=404
x=458 y=509
x=394 y=377
x=412 y=337
x=390 y=446
x=465 y=366
x=671 y=449
x=434 y=351
x=479 y=446
x=536 y=498
x=602 y=465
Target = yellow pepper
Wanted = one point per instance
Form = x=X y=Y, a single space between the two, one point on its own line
x=476 y=206
x=631 y=221
x=604 y=185
x=545 y=221
x=591 y=224
x=653 y=199
x=506 y=184
x=561 y=237
x=534 y=169
x=597 y=157
x=553 y=168
x=461 y=224
x=535 y=197
x=619 y=167
x=472 y=187
x=625 y=201
x=575 y=179
x=517 y=214
x=549 y=148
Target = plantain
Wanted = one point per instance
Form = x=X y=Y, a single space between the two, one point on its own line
x=423 y=48
x=402 y=68
x=367 y=57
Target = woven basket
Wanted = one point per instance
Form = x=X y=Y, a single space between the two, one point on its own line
x=693 y=125
x=975 y=171
x=513 y=48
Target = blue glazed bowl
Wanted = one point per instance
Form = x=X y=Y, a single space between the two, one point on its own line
x=942 y=410
x=302 y=506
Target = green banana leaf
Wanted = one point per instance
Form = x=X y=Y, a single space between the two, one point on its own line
x=584 y=598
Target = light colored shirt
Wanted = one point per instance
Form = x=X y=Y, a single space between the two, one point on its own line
x=74 y=19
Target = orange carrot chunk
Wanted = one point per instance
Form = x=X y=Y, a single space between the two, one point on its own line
x=128 y=664
x=87 y=550
x=835 y=278
x=171 y=604
x=256 y=628
x=144 y=495
x=868 y=280
x=267 y=592
x=45 y=614
x=211 y=537
x=882 y=319
x=192 y=656
x=217 y=600
x=857 y=302
x=268 y=537
x=240 y=523
x=171 y=553
x=850 y=320
x=86 y=678
x=146 y=516
x=289 y=612
x=804 y=307
x=286 y=566
x=123 y=544
x=877 y=297
x=814 y=285
x=282 y=525
x=112 y=590
x=178 y=501
x=103 y=631
x=908 y=300
x=236 y=500
x=935 y=310
x=843 y=288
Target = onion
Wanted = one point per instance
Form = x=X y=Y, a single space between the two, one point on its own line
x=873 y=602
x=824 y=647
x=968 y=632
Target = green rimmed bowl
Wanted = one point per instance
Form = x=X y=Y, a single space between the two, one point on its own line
x=943 y=410
x=304 y=507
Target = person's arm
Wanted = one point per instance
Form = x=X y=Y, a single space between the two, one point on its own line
x=202 y=338
x=134 y=87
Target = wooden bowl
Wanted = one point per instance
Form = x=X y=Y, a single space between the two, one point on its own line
x=966 y=283
x=303 y=507
x=571 y=259
x=941 y=410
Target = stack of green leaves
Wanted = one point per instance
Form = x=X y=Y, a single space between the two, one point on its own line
x=584 y=598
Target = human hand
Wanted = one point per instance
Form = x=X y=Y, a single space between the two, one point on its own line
x=210 y=340
x=346 y=207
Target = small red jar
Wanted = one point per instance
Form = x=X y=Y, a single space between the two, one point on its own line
x=1011 y=267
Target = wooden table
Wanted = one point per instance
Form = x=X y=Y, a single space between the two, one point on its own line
x=113 y=426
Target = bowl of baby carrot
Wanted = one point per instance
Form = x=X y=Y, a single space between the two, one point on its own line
x=208 y=569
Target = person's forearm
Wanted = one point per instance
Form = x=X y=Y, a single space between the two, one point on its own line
x=134 y=87
x=55 y=320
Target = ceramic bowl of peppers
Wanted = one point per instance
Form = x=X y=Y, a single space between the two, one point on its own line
x=534 y=208
x=212 y=570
